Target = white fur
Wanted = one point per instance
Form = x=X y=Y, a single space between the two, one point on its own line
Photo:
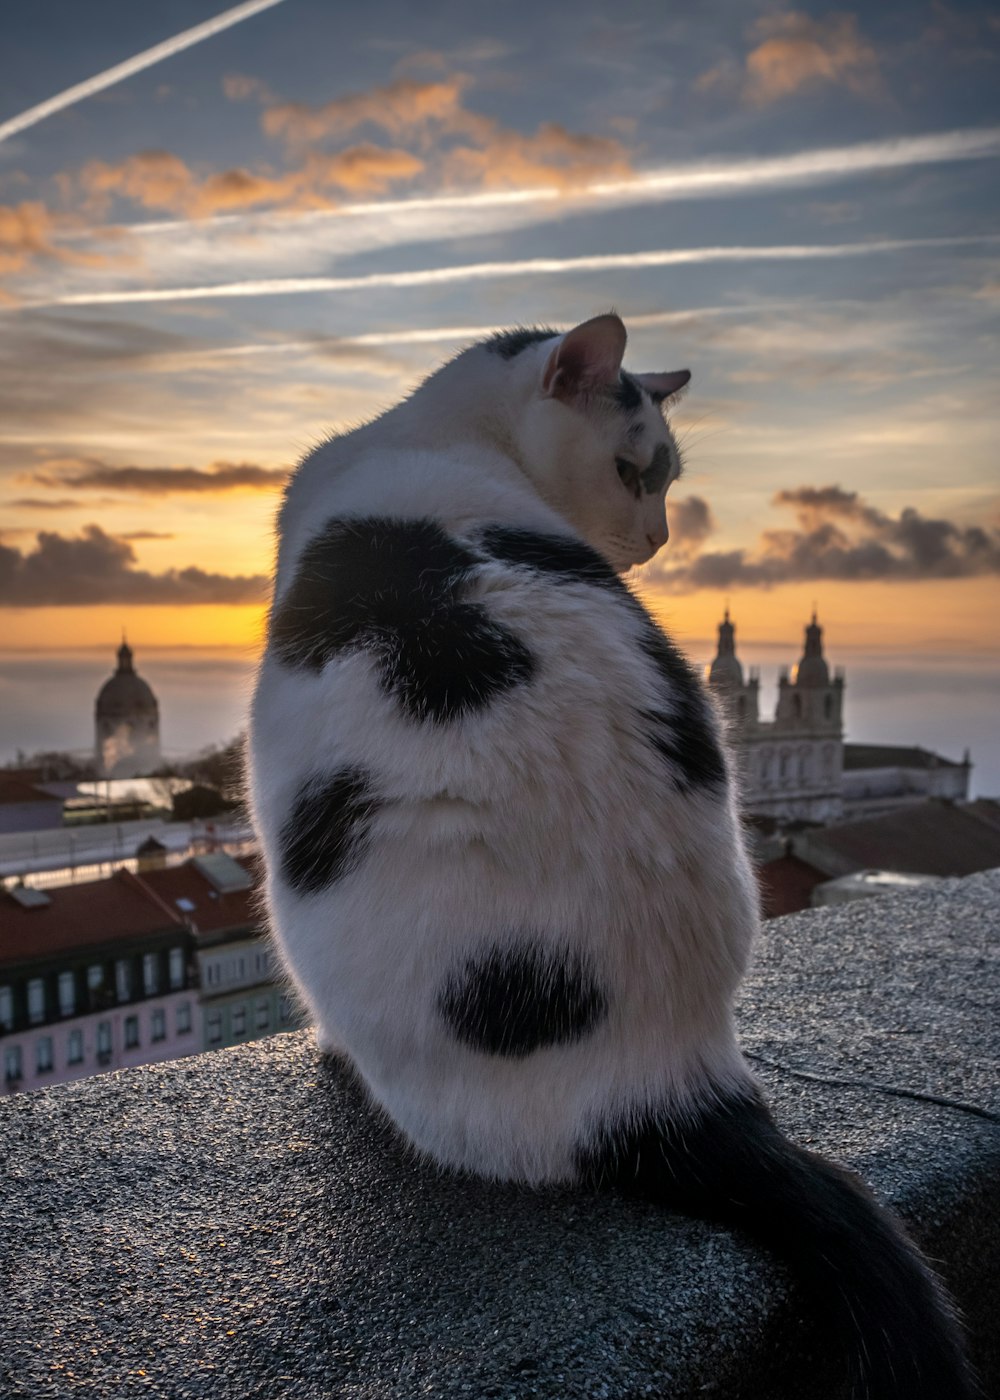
x=547 y=810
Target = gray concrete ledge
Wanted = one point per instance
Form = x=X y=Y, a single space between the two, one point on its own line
x=240 y=1225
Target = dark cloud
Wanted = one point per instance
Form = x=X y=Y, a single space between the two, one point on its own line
x=99 y=568
x=41 y=503
x=89 y=473
x=691 y=522
x=840 y=536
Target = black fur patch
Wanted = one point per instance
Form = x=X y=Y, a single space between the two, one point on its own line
x=393 y=588
x=515 y=1000
x=655 y=476
x=325 y=834
x=563 y=558
x=627 y=393
x=507 y=344
x=730 y=1163
x=685 y=733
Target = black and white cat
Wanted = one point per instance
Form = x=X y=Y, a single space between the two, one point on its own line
x=505 y=869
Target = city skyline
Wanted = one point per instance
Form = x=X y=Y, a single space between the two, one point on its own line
x=274 y=225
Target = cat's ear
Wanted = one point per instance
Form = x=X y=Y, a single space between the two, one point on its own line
x=663 y=386
x=588 y=357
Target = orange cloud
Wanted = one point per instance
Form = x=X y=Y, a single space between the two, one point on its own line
x=239 y=87
x=797 y=51
x=162 y=180
x=551 y=156
x=398 y=107
x=27 y=231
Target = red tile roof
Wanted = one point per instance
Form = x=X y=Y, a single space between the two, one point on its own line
x=927 y=838
x=212 y=912
x=81 y=916
x=16 y=789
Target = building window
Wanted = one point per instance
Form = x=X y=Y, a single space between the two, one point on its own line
x=184 y=1018
x=286 y=1010
x=74 y=1048
x=176 y=968
x=214 y=1026
x=261 y=964
x=12 y=1062
x=67 y=993
x=43 y=1054
x=123 y=979
x=36 y=1000
x=797 y=706
x=159 y=1025
x=131 y=1032
x=263 y=1018
x=828 y=707
x=239 y=1020
x=150 y=974
x=95 y=977
x=783 y=765
x=104 y=1041
x=6 y=1009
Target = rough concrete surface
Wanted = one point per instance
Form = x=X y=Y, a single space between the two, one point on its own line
x=241 y=1225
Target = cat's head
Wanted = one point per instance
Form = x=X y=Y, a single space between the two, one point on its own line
x=593 y=437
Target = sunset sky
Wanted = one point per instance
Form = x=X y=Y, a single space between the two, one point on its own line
x=263 y=233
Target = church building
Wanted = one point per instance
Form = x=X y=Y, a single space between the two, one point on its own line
x=127 y=723
x=791 y=767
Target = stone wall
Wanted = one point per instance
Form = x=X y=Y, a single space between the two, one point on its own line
x=240 y=1225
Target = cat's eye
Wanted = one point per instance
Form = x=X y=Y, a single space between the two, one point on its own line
x=629 y=474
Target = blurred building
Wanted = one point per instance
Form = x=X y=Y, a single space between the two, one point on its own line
x=790 y=766
x=25 y=806
x=127 y=723
x=797 y=767
x=136 y=968
x=879 y=778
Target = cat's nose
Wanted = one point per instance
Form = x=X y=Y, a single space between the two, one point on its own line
x=658 y=538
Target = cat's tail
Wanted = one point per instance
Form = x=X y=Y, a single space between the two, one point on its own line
x=729 y=1162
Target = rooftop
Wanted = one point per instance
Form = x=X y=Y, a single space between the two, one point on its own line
x=76 y=917
x=937 y=837
x=123 y=906
x=241 y=1225
x=15 y=789
x=893 y=756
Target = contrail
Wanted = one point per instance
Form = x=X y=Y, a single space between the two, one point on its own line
x=121 y=71
x=695 y=180
x=532 y=267
x=433 y=335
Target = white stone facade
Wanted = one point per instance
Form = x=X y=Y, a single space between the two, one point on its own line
x=791 y=767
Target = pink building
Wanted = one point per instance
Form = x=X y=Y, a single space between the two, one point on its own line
x=93 y=977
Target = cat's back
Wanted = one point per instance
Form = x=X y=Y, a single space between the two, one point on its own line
x=436 y=623
x=469 y=740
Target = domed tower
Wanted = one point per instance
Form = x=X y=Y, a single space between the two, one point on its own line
x=809 y=699
x=725 y=676
x=127 y=723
